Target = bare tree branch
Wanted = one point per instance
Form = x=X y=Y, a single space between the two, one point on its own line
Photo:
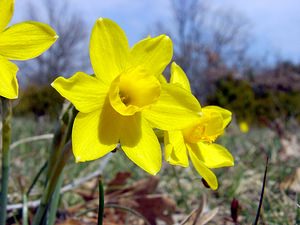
x=67 y=55
x=208 y=41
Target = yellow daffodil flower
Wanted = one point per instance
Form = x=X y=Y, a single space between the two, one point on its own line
x=21 y=41
x=196 y=140
x=244 y=127
x=125 y=99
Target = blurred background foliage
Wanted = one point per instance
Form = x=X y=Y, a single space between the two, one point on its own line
x=262 y=98
x=39 y=101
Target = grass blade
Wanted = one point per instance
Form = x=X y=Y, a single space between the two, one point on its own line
x=101 y=202
x=262 y=193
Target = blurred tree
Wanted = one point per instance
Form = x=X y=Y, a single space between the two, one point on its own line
x=209 y=42
x=230 y=37
x=67 y=55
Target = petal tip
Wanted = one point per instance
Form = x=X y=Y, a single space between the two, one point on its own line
x=167 y=37
x=174 y=64
x=214 y=188
x=53 y=84
x=100 y=19
x=78 y=159
x=153 y=173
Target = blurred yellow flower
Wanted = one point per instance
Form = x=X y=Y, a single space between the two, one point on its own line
x=21 y=41
x=244 y=127
x=196 y=140
x=125 y=99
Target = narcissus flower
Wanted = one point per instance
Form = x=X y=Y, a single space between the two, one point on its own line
x=125 y=100
x=21 y=41
x=196 y=140
x=244 y=127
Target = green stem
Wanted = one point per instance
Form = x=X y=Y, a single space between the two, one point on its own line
x=51 y=185
x=6 y=138
x=60 y=152
x=57 y=145
x=51 y=216
x=60 y=138
x=101 y=202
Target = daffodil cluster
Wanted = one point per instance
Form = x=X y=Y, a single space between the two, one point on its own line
x=20 y=41
x=127 y=98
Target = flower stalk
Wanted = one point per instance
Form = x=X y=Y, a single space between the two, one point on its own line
x=61 y=151
x=51 y=185
x=6 y=139
x=101 y=202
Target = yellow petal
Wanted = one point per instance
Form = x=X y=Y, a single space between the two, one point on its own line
x=214 y=155
x=204 y=172
x=26 y=40
x=175 y=149
x=162 y=79
x=175 y=109
x=8 y=79
x=140 y=144
x=87 y=93
x=226 y=114
x=111 y=124
x=6 y=12
x=154 y=54
x=108 y=50
x=94 y=134
x=178 y=76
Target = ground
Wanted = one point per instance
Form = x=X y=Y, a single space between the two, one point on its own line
x=179 y=190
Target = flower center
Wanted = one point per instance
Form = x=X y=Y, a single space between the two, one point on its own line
x=209 y=127
x=133 y=90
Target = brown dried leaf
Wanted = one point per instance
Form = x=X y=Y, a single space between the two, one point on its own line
x=118 y=182
x=154 y=207
x=139 y=196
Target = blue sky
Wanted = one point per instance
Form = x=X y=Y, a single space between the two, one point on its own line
x=275 y=24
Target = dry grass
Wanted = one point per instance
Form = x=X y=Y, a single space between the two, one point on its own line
x=242 y=182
